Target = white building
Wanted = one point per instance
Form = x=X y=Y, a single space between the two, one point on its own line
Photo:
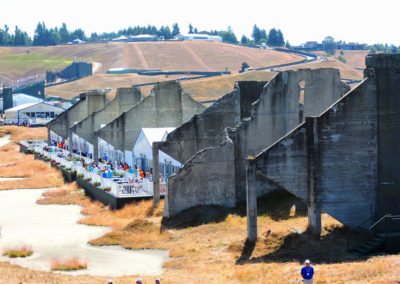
x=142 y=153
x=20 y=99
x=32 y=114
x=200 y=37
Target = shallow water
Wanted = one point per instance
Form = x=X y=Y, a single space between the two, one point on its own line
x=52 y=232
x=4 y=140
x=10 y=179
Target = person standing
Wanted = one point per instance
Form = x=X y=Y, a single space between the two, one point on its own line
x=307 y=272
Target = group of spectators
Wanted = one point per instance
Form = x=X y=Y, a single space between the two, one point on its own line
x=104 y=167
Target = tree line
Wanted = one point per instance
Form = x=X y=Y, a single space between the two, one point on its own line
x=44 y=35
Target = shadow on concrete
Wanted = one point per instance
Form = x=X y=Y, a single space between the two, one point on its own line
x=196 y=216
x=277 y=204
x=332 y=248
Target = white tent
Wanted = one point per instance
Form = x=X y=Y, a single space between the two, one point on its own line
x=143 y=153
x=20 y=99
x=32 y=114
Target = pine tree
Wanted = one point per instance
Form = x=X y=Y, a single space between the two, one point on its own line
x=175 y=29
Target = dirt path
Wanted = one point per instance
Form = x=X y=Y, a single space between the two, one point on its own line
x=141 y=57
x=196 y=57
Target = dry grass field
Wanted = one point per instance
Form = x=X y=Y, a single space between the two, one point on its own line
x=216 y=87
x=36 y=174
x=207 y=244
x=200 y=56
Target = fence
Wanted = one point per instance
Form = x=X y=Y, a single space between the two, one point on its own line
x=124 y=186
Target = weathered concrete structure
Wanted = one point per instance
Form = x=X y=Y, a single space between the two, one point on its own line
x=207 y=129
x=261 y=115
x=167 y=106
x=89 y=102
x=125 y=99
x=343 y=161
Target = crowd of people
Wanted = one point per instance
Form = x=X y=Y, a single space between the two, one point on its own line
x=104 y=167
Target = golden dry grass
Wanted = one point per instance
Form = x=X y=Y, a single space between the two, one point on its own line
x=37 y=174
x=215 y=252
x=187 y=56
x=70 y=264
x=216 y=87
x=210 y=252
x=23 y=251
x=346 y=71
x=23 y=133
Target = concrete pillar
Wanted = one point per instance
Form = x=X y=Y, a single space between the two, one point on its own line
x=156 y=175
x=48 y=136
x=314 y=209
x=70 y=141
x=96 y=149
x=251 y=198
x=314 y=219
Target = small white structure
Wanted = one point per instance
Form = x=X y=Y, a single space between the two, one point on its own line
x=32 y=114
x=78 y=41
x=143 y=37
x=199 y=37
x=20 y=99
x=120 y=39
x=142 y=154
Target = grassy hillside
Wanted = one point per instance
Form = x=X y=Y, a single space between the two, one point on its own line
x=200 y=89
x=202 y=56
x=351 y=69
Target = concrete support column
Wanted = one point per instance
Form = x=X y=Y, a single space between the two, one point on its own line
x=96 y=149
x=70 y=142
x=251 y=199
x=48 y=136
x=156 y=175
x=314 y=209
x=314 y=219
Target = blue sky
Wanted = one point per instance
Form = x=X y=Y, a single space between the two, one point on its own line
x=361 y=21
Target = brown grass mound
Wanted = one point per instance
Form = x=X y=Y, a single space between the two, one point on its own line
x=71 y=264
x=15 y=164
x=14 y=252
x=23 y=133
x=138 y=234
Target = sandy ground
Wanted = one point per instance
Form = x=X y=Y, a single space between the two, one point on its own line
x=4 y=140
x=53 y=232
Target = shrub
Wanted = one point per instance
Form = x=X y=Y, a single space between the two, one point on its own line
x=18 y=252
x=97 y=183
x=87 y=179
x=80 y=175
x=71 y=264
x=62 y=166
x=107 y=189
x=68 y=169
x=342 y=59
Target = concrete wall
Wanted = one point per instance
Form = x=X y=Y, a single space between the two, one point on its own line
x=207 y=128
x=89 y=102
x=386 y=69
x=125 y=99
x=212 y=183
x=167 y=106
x=279 y=110
x=329 y=161
x=261 y=114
